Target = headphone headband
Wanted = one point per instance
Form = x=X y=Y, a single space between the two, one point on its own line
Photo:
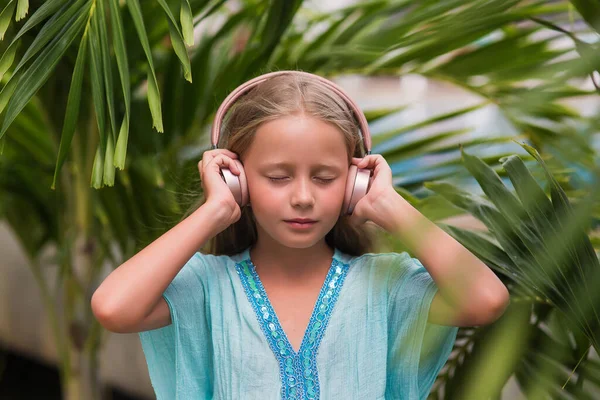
x=240 y=90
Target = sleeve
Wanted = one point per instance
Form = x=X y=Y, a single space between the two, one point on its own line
x=177 y=355
x=418 y=348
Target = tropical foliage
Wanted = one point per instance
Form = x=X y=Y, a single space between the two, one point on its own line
x=106 y=104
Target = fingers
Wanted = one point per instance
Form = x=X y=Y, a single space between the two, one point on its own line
x=210 y=154
x=219 y=157
x=370 y=161
x=375 y=162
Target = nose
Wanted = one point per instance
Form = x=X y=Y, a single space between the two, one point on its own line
x=302 y=194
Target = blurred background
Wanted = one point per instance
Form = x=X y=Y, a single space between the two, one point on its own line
x=485 y=110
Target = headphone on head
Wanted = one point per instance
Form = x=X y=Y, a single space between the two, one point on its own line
x=359 y=180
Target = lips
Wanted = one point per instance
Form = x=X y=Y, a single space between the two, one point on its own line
x=301 y=220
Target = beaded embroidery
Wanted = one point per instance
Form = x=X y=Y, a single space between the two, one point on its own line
x=298 y=371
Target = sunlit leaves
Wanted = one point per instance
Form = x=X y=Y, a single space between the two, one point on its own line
x=153 y=90
x=22 y=9
x=177 y=41
x=73 y=105
x=187 y=22
x=122 y=63
x=5 y=17
x=43 y=66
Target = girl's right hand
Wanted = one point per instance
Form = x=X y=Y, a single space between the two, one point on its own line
x=217 y=193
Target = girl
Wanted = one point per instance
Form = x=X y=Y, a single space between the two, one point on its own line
x=292 y=303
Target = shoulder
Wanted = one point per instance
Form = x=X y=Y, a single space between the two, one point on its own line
x=198 y=269
x=382 y=271
x=195 y=277
x=395 y=265
x=203 y=266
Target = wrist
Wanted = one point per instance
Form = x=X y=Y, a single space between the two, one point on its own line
x=391 y=209
x=216 y=215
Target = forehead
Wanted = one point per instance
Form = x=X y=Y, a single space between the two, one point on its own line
x=297 y=140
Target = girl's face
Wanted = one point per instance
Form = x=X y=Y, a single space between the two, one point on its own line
x=296 y=167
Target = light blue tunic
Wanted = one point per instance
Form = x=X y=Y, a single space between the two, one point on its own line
x=368 y=337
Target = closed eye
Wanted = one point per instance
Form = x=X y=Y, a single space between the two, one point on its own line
x=326 y=180
x=281 y=178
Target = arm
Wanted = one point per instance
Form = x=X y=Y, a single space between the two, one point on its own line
x=129 y=299
x=469 y=293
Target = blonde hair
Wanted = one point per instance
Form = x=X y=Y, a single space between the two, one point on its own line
x=281 y=96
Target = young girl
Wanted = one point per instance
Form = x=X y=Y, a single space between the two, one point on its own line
x=292 y=303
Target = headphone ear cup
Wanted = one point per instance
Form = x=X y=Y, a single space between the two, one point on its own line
x=237 y=184
x=357 y=186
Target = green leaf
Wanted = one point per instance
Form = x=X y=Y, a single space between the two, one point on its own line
x=177 y=41
x=122 y=63
x=492 y=185
x=154 y=98
x=22 y=9
x=495 y=222
x=153 y=91
x=376 y=115
x=108 y=176
x=198 y=94
x=72 y=111
x=50 y=30
x=97 y=169
x=187 y=22
x=42 y=67
x=43 y=12
x=7 y=60
x=426 y=145
x=442 y=117
x=5 y=17
x=7 y=92
x=121 y=150
x=180 y=50
x=31 y=135
x=570 y=235
x=100 y=19
x=484 y=249
x=590 y=11
x=97 y=82
x=46 y=9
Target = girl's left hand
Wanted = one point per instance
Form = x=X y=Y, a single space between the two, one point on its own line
x=380 y=190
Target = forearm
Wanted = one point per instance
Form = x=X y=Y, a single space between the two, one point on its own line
x=130 y=292
x=462 y=279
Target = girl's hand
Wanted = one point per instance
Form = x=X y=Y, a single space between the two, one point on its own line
x=380 y=189
x=218 y=195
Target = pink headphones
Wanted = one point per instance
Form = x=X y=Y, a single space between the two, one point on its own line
x=359 y=180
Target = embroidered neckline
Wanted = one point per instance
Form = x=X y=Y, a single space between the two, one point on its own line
x=298 y=370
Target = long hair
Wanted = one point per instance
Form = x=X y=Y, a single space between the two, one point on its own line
x=277 y=97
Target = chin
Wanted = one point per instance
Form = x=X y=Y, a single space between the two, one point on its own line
x=302 y=240
x=299 y=243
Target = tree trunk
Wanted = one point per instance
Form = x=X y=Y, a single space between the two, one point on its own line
x=81 y=381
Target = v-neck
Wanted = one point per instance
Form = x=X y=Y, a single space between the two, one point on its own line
x=298 y=370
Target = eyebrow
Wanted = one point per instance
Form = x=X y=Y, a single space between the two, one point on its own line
x=287 y=165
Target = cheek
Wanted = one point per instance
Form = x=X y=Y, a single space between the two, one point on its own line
x=335 y=195
x=262 y=195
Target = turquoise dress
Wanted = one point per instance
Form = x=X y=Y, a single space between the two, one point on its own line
x=368 y=337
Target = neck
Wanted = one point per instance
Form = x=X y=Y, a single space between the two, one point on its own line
x=275 y=261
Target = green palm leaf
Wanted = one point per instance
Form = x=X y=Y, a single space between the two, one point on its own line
x=41 y=68
x=532 y=232
x=153 y=91
x=72 y=112
x=123 y=65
